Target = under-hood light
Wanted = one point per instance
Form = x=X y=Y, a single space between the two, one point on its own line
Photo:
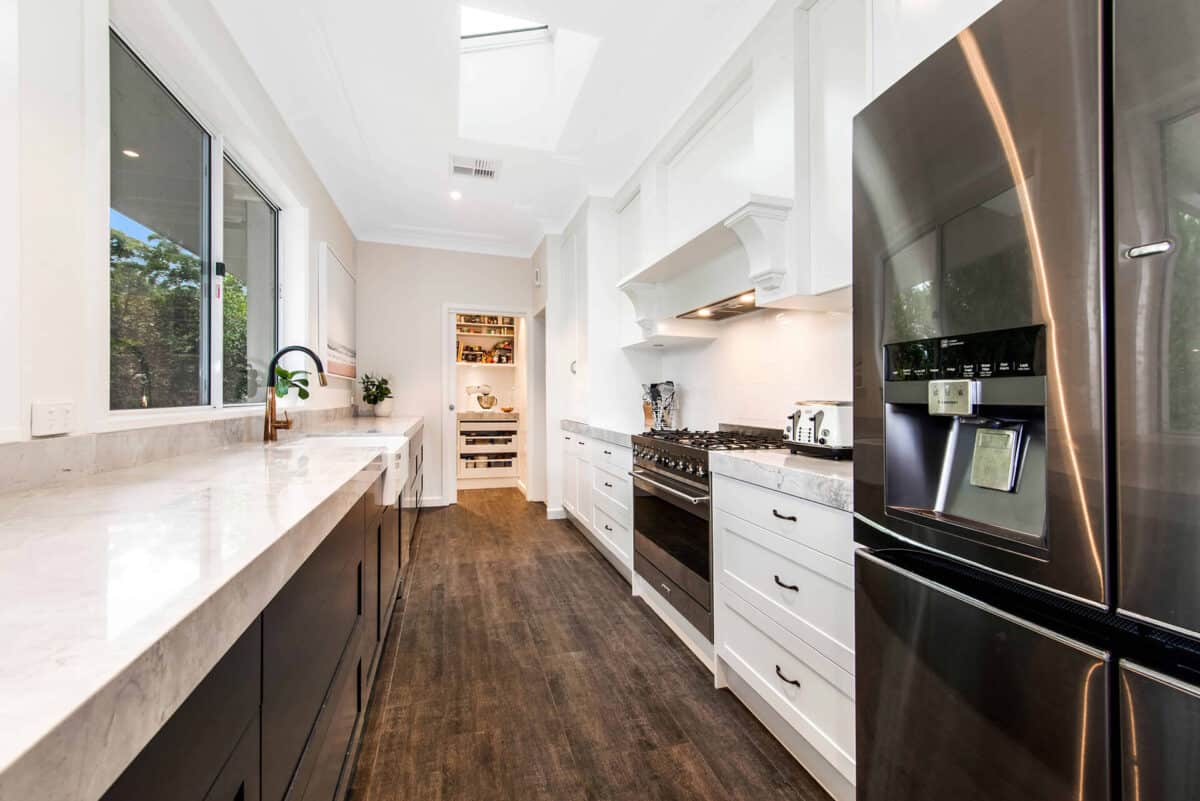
x=733 y=306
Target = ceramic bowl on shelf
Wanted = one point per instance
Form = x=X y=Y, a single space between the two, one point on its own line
x=506 y=409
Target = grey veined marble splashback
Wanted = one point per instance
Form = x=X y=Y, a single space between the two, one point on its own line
x=33 y=463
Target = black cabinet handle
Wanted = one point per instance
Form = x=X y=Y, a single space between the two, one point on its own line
x=789 y=518
x=610 y=486
x=608 y=453
x=607 y=527
x=792 y=587
x=568 y=439
x=779 y=673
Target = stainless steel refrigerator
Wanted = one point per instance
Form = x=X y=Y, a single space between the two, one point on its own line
x=1027 y=411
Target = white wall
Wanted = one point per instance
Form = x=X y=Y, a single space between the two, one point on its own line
x=760 y=365
x=402 y=295
x=63 y=193
x=10 y=203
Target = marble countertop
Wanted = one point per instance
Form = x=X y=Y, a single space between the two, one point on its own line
x=366 y=426
x=823 y=481
x=596 y=432
x=120 y=591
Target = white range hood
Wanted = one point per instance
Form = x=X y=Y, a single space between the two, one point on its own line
x=745 y=250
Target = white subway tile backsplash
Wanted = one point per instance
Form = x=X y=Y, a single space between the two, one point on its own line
x=760 y=365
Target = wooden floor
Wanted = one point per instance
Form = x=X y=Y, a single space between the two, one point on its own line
x=521 y=669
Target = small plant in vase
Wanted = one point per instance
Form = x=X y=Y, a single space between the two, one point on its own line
x=377 y=393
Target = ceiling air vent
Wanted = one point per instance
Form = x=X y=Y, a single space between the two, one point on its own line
x=467 y=167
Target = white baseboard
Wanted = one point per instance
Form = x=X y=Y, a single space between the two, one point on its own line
x=524 y=490
x=432 y=503
x=557 y=513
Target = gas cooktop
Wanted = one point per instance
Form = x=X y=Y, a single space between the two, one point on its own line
x=714 y=440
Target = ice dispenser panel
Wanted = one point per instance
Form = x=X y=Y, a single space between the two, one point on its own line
x=965 y=436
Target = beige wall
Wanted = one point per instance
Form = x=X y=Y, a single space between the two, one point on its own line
x=403 y=293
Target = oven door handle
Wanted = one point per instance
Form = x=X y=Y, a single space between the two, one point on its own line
x=640 y=475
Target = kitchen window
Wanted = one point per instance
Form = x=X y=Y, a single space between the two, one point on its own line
x=250 y=236
x=159 y=263
x=180 y=336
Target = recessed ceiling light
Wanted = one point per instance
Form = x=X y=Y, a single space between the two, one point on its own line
x=455 y=195
x=747 y=298
x=705 y=313
x=131 y=154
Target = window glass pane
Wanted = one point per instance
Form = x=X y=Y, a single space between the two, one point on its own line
x=249 y=326
x=158 y=258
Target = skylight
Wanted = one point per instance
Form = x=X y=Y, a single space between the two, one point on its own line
x=488 y=29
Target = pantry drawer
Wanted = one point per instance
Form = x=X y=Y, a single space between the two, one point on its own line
x=808 y=593
x=617 y=534
x=813 y=695
x=616 y=458
x=614 y=487
x=485 y=427
x=823 y=528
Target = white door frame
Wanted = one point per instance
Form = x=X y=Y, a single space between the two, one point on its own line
x=449 y=395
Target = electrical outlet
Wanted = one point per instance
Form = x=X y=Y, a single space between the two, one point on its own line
x=52 y=419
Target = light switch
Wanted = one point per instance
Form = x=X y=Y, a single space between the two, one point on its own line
x=51 y=419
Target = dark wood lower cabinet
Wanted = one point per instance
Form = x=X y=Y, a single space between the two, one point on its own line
x=276 y=719
x=389 y=564
x=239 y=779
x=324 y=760
x=305 y=631
x=184 y=759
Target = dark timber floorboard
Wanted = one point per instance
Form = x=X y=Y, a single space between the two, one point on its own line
x=520 y=669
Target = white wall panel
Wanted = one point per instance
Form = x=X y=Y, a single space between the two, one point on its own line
x=713 y=171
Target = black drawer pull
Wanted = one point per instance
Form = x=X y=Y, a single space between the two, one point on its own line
x=610 y=486
x=792 y=587
x=608 y=453
x=581 y=442
x=568 y=439
x=789 y=518
x=779 y=673
x=607 y=527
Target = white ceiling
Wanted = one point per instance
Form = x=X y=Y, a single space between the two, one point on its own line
x=370 y=88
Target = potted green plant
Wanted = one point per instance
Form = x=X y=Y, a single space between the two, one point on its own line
x=377 y=393
x=285 y=380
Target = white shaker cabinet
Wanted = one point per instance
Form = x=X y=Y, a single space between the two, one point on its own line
x=839 y=86
x=905 y=32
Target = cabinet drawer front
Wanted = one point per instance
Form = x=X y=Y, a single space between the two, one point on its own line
x=613 y=486
x=582 y=448
x=830 y=531
x=616 y=458
x=808 y=593
x=617 y=534
x=820 y=708
x=482 y=427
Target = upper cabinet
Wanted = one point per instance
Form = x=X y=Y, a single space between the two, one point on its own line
x=835 y=80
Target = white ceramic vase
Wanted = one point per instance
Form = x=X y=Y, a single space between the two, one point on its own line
x=383 y=408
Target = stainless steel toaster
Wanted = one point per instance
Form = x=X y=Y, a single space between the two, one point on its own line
x=821 y=427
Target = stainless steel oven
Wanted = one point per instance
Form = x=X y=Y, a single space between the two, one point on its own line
x=672 y=543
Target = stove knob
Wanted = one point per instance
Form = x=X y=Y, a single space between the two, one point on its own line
x=700 y=472
x=691 y=468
